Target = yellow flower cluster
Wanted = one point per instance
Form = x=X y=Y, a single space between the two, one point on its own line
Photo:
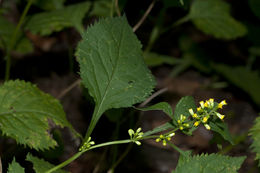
x=205 y=111
x=182 y=123
x=135 y=136
x=87 y=145
x=165 y=138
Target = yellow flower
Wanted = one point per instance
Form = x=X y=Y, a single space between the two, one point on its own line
x=195 y=115
x=207 y=126
x=205 y=119
x=199 y=109
x=222 y=103
x=164 y=143
x=181 y=128
x=202 y=104
x=220 y=116
x=191 y=111
x=206 y=104
x=211 y=102
x=196 y=123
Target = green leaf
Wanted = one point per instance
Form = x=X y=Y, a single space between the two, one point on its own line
x=162 y=106
x=165 y=126
x=112 y=66
x=53 y=21
x=7 y=28
x=213 y=17
x=25 y=112
x=255 y=134
x=213 y=163
x=70 y=16
x=183 y=107
x=154 y=59
x=40 y=165
x=243 y=78
x=222 y=129
x=15 y=167
x=49 y=4
x=255 y=7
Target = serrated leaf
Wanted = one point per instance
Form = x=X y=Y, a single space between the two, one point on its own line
x=255 y=7
x=25 y=112
x=213 y=17
x=70 y=16
x=7 y=28
x=213 y=163
x=247 y=80
x=15 y=167
x=162 y=106
x=40 y=165
x=255 y=134
x=112 y=66
x=222 y=129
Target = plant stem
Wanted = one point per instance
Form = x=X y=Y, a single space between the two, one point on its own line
x=177 y=149
x=74 y=157
x=112 y=8
x=65 y=162
x=13 y=40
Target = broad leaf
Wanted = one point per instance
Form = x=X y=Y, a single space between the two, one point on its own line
x=47 y=22
x=255 y=134
x=7 y=28
x=161 y=128
x=40 y=165
x=183 y=107
x=112 y=66
x=162 y=106
x=71 y=16
x=15 y=167
x=255 y=7
x=25 y=112
x=213 y=17
x=213 y=163
x=154 y=59
x=243 y=78
x=49 y=4
x=222 y=129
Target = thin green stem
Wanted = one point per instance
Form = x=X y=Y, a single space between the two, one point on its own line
x=74 y=157
x=177 y=149
x=13 y=40
x=112 y=8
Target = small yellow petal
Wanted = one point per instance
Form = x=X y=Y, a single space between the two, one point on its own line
x=158 y=140
x=205 y=119
x=164 y=143
x=161 y=136
x=202 y=104
x=199 y=109
x=181 y=128
x=195 y=115
x=207 y=126
x=196 y=123
x=191 y=111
